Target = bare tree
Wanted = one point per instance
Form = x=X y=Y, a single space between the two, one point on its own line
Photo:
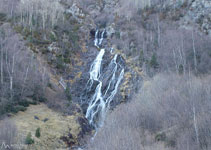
x=21 y=74
x=35 y=12
x=169 y=108
x=194 y=53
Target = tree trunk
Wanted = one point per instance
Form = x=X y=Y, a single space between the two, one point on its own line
x=195 y=125
x=194 y=53
x=2 y=74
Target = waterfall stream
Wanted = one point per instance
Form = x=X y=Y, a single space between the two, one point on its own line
x=104 y=92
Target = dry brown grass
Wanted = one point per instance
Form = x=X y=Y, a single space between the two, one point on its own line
x=56 y=126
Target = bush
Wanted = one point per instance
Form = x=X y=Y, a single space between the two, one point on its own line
x=117 y=34
x=24 y=103
x=33 y=103
x=37 y=133
x=74 y=38
x=52 y=37
x=9 y=108
x=60 y=63
x=181 y=69
x=68 y=93
x=19 y=108
x=29 y=139
x=42 y=99
x=3 y=17
x=160 y=137
x=154 y=62
x=141 y=58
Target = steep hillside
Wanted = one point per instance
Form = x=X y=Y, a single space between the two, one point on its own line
x=73 y=61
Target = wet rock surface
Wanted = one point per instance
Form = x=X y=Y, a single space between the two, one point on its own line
x=78 y=88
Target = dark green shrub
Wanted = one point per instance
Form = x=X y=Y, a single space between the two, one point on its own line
x=68 y=93
x=9 y=108
x=160 y=137
x=76 y=27
x=185 y=4
x=26 y=32
x=67 y=55
x=67 y=60
x=141 y=58
x=24 y=103
x=3 y=17
x=117 y=34
x=181 y=69
x=139 y=11
x=154 y=62
x=59 y=62
x=37 y=133
x=18 y=29
x=50 y=85
x=33 y=103
x=103 y=24
x=42 y=99
x=34 y=97
x=52 y=37
x=29 y=139
x=19 y=108
x=30 y=38
x=73 y=37
x=37 y=35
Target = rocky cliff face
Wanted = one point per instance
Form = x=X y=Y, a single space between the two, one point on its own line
x=196 y=12
x=200 y=13
x=105 y=14
x=96 y=12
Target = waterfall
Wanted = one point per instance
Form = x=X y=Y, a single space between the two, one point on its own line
x=100 y=101
x=99 y=38
x=96 y=39
x=97 y=97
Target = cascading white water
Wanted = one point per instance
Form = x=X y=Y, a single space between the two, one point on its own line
x=96 y=41
x=99 y=38
x=96 y=67
x=100 y=101
x=95 y=76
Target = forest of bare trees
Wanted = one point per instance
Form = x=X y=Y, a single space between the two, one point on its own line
x=20 y=73
x=33 y=14
x=163 y=46
x=171 y=111
x=40 y=14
